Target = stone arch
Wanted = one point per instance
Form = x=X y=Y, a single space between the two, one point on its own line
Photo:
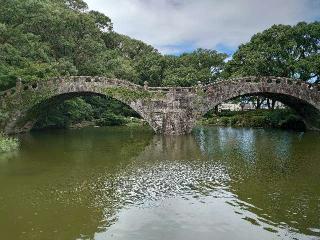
x=302 y=97
x=168 y=110
x=21 y=102
x=33 y=113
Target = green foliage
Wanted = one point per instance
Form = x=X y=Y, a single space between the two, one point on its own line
x=78 y=5
x=134 y=60
x=201 y=65
x=8 y=144
x=279 y=118
x=282 y=50
x=43 y=39
x=102 y=21
x=97 y=110
x=101 y=105
x=3 y=115
x=63 y=115
x=150 y=68
x=111 y=119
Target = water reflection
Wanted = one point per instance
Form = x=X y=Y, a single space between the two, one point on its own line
x=280 y=186
x=129 y=184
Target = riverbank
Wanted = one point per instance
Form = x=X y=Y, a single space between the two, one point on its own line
x=8 y=144
x=277 y=118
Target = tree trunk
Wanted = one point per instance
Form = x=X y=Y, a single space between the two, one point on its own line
x=273 y=103
x=216 y=110
x=260 y=100
x=268 y=103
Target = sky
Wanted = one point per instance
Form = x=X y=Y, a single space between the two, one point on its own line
x=177 y=26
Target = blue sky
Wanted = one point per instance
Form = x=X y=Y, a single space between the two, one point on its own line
x=177 y=26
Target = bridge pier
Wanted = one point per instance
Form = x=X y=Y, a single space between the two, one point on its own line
x=173 y=123
x=170 y=111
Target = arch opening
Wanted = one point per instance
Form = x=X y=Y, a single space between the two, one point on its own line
x=77 y=110
x=292 y=113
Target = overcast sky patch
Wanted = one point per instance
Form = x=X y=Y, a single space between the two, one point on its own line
x=176 y=26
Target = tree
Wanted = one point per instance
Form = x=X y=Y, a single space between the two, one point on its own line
x=102 y=21
x=150 y=68
x=201 y=65
x=283 y=51
x=78 y=5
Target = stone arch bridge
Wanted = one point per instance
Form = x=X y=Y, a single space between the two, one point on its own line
x=168 y=110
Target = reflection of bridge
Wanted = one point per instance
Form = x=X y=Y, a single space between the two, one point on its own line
x=168 y=110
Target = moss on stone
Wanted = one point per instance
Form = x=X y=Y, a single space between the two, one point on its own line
x=200 y=92
x=127 y=95
x=22 y=102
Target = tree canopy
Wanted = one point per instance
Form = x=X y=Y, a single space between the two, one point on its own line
x=283 y=51
x=43 y=39
x=202 y=65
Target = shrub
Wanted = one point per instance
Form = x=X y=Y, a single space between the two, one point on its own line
x=234 y=120
x=225 y=121
x=111 y=119
x=8 y=144
x=293 y=122
x=278 y=118
x=258 y=121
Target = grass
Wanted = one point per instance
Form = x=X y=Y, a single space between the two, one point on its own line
x=8 y=144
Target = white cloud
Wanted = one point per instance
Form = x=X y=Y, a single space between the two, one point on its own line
x=171 y=25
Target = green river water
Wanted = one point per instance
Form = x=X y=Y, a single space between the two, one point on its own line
x=122 y=183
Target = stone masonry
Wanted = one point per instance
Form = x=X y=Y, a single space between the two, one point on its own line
x=168 y=110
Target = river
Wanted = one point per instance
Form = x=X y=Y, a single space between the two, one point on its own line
x=123 y=183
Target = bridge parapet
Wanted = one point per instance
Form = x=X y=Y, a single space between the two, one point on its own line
x=81 y=80
x=34 y=86
x=171 y=89
x=264 y=80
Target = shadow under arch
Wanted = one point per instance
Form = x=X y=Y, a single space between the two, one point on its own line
x=29 y=118
x=296 y=95
x=308 y=113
